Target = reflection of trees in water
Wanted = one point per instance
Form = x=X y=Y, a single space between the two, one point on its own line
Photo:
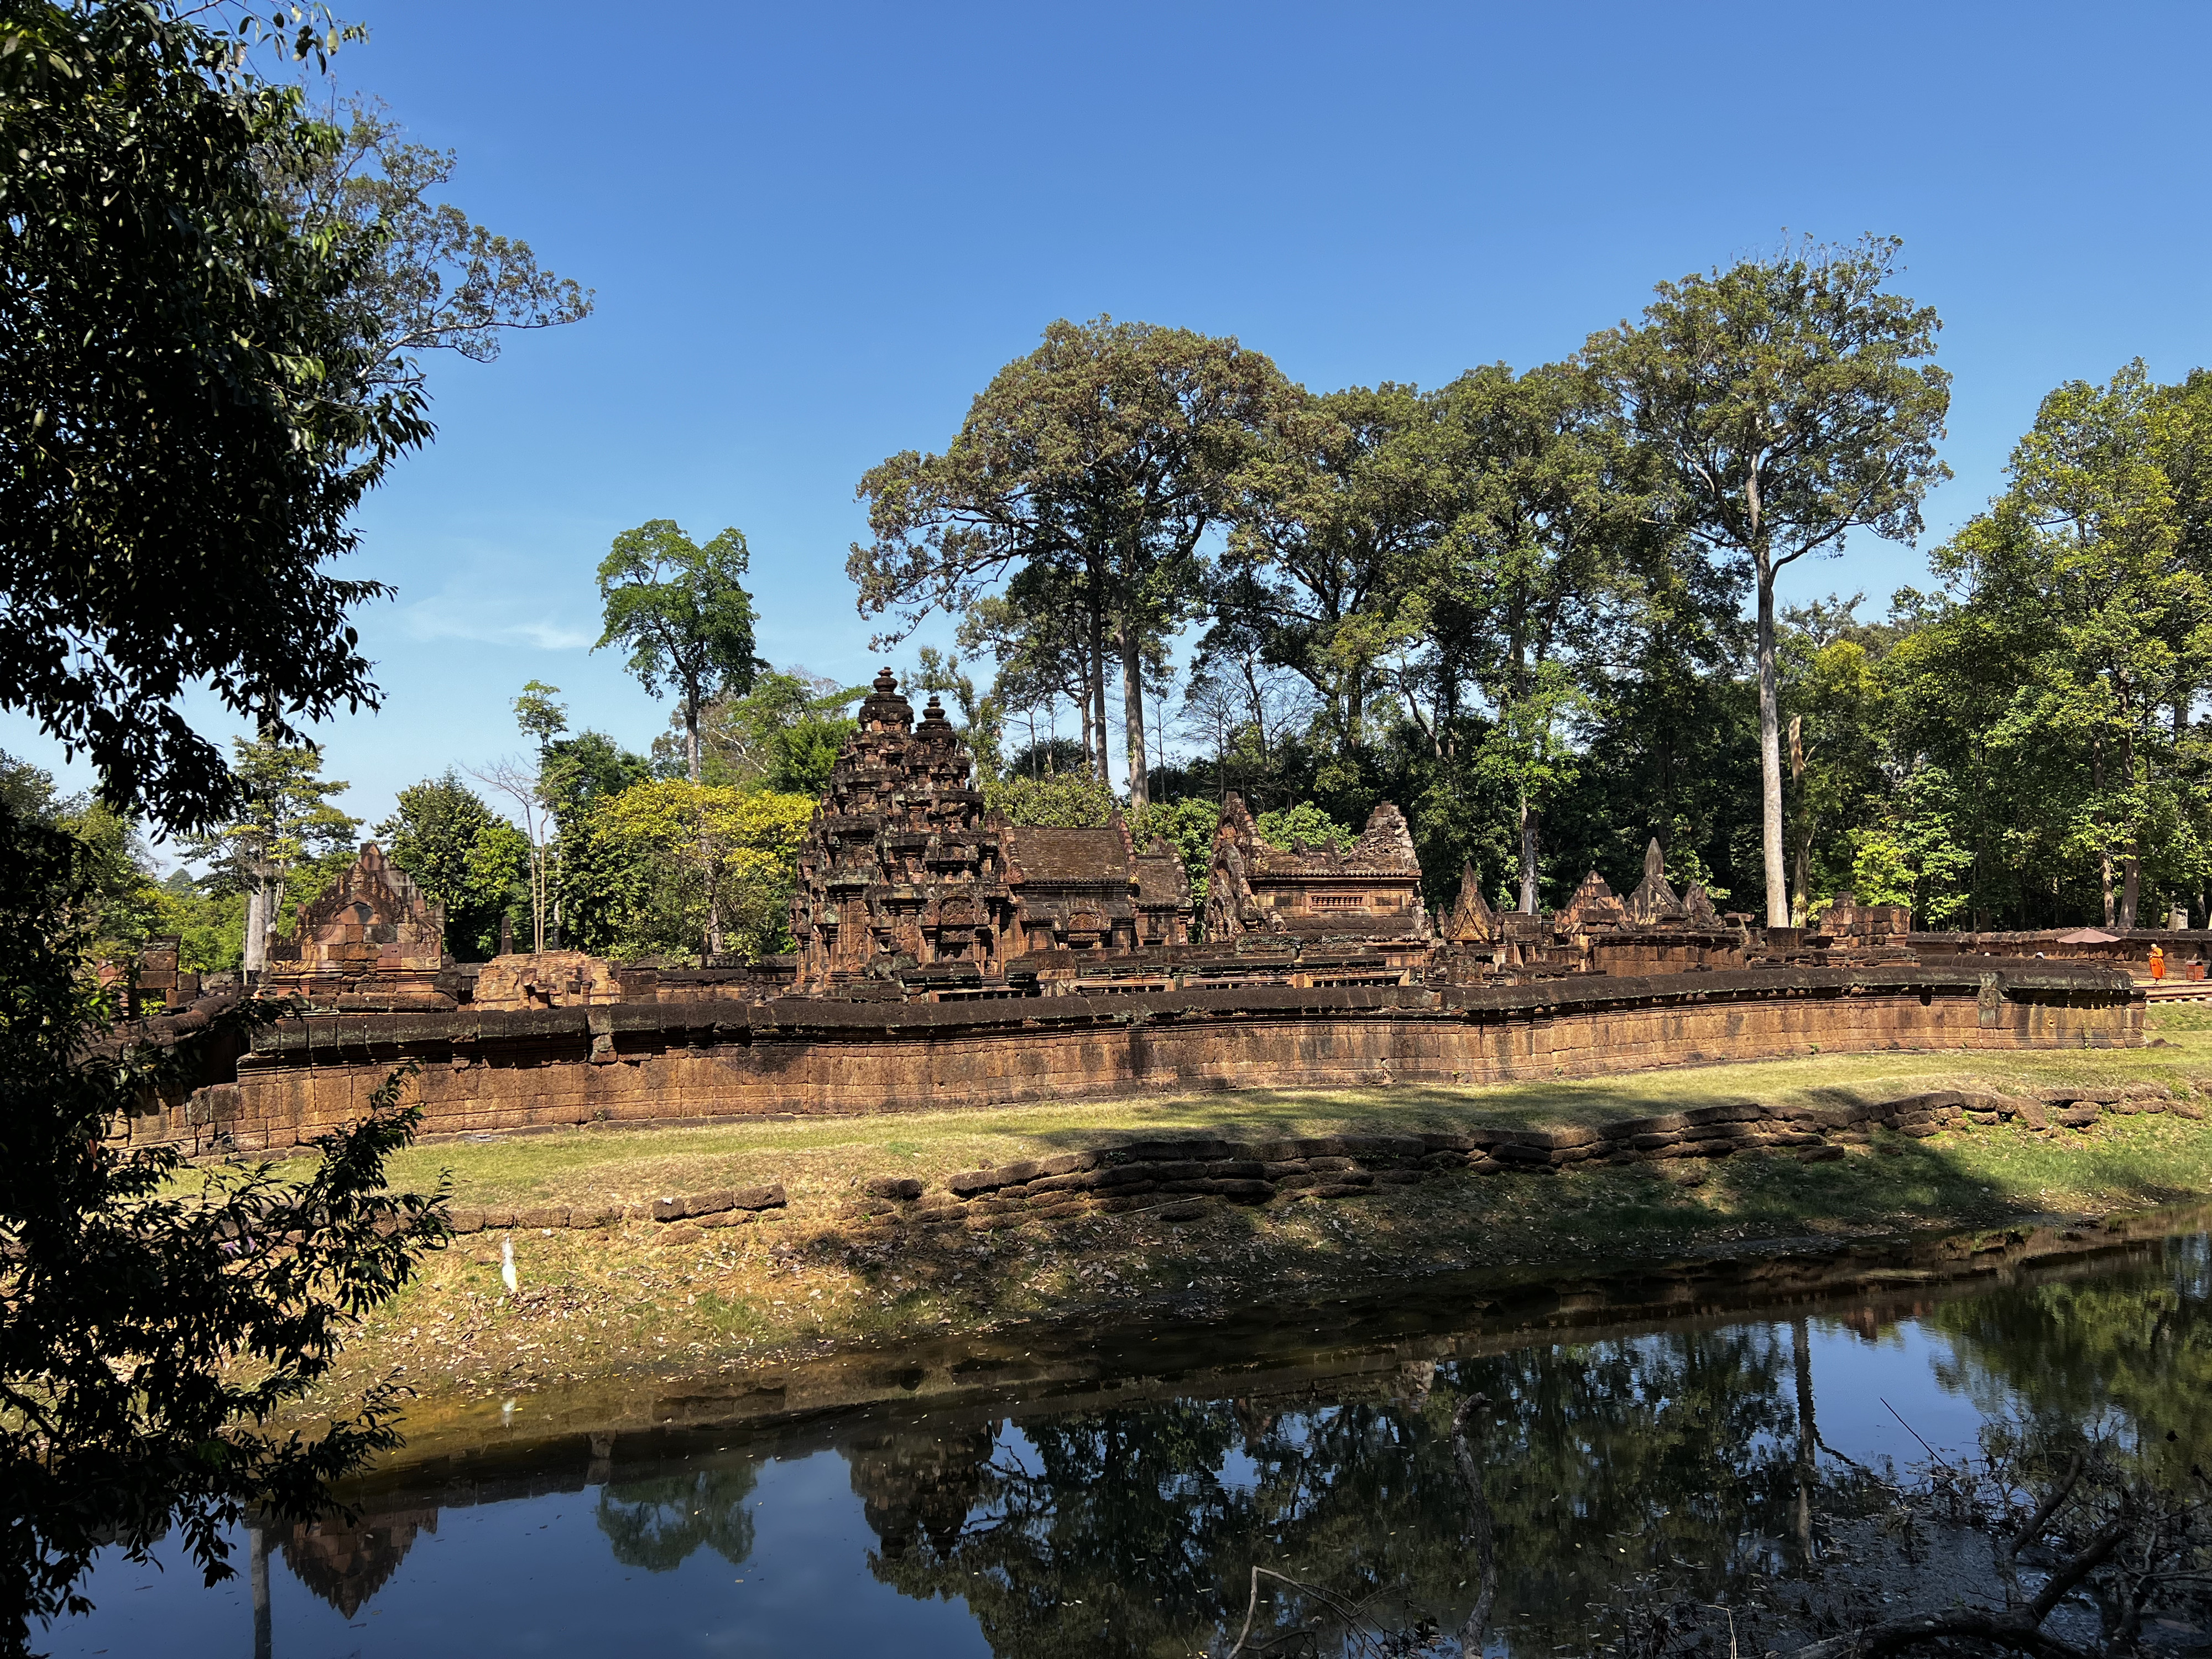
x=1120 y=1531
x=658 y=1524
x=2060 y=1355
x=347 y=1565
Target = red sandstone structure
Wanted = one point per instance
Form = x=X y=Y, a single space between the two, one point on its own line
x=908 y=886
x=947 y=957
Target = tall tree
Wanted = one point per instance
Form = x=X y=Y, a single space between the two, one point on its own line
x=685 y=615
x=2084 y=575
x=1104 y=457
x=189 y=414
x=1794 y=401
x=1544 y=533
x=1333 y=511
x=540 y=718
x=284 y=818
x=425 y=277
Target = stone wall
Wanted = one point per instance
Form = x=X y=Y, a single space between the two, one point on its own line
x=644 y=1063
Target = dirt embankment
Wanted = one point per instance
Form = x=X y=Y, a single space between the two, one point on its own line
x=1176 y=1230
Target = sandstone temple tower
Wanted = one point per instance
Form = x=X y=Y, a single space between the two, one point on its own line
x=905 y=877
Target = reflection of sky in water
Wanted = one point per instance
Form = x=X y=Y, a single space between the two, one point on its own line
x=541 y=1575
x=1852 y=1377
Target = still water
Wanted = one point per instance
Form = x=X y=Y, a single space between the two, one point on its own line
x=1094 y=1506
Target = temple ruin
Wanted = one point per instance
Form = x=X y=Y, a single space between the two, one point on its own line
x=908 y=884
x=944 y=956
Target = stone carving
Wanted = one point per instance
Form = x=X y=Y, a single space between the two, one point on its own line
x=558 y=979
x=1653 y=902
x=904 y=872
x=1846 y=917
x=372 y=936
x=1372 y=891
x=1699 y=905
x=1593 y=905
x=1472 y=921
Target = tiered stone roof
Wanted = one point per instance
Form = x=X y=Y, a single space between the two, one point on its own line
x=373 y=935
x=1371 y=891
x=903 y=870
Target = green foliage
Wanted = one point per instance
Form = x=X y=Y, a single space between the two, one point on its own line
x=132 y=1296
x=1793 y=400
x=1303 y=826
x=782 y=736
x=424 y=277
x=1186 y=825
x=602 y=884
x=463 y=856
x=2054 y=679
x=682 y=613
x=191 y=409
x=1070 y=801
x=539 y=718
x=209 y=927
x=202 y=385
x=587 y=768
x=693 y=862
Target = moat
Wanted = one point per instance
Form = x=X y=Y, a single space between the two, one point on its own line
x=1631 y=1460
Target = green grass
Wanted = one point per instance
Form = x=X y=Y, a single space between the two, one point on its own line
x=821 y=1161
x=600 y=1306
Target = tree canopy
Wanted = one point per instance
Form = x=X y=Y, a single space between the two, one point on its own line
x=685 y=615
x=1105 y=455
x=1793 y=400
x=191 y=407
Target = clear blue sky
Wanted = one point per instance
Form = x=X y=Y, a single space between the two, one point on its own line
x=816 y=232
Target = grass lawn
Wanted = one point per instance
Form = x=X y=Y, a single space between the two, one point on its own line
x=597 y=1304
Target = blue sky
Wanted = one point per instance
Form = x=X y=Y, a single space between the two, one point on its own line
x=816 y=232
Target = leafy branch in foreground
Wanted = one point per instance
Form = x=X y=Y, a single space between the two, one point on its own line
x=152 y=1322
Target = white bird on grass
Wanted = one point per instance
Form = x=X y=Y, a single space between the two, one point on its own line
x=506 y=1263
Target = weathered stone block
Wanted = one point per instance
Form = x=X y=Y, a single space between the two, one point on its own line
x=900 y=1189
x=759 y=1198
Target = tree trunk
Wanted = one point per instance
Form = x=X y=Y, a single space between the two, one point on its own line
x=1097 y=689
x=1530 y=825
x=263 y=899
x=256 y=1546
x=2131 y=886
x=692 y=735
x=1809 y=1433
x=1798 y=907
x=1133 y=716
x=1798 y=899
x=2104 y=853
x=256 y=943
x=1770 y=757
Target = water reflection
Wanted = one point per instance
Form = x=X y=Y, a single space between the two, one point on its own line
x=1719 y=1456
x=658 y=1524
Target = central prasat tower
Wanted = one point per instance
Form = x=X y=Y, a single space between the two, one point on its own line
x=907 y=882
x=902 y=864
